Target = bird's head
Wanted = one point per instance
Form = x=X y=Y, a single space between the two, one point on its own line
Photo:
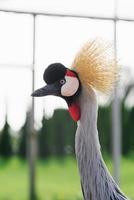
x=64 y=83
x=94 y=67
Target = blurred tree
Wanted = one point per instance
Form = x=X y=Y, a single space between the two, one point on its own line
x=22 y=146
x=5 y=142
x=64 y=131
x=127 y=123
x=131 y=130
x=56 y=137
x=104 y=121
x=43 y=139
x=70 y=128
x=125 y=129
x=59 y=132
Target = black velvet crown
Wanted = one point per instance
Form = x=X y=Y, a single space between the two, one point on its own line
x=54 y=72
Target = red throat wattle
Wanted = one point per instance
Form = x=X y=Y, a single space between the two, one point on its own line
x=74 y=111
x=74 y=108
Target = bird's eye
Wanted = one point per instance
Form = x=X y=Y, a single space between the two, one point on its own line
x=62 y=81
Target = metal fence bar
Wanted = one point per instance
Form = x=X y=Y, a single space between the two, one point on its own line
x=68 y=15
x=116 y=116
x=32 y=139
x=19 y=66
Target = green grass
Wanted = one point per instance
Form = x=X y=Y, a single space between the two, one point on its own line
x=55 y=179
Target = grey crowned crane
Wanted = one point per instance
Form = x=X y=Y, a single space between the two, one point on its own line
x=92 y=69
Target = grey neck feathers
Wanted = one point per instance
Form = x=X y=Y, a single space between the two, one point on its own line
x=97 y=183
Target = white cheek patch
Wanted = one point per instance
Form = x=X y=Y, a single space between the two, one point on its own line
x=70 y=87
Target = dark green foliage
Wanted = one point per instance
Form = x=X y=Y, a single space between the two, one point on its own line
x=104 y=128
x=64 y=132
x=56 y=136
x=43 y=139
x=131 y=132
x=125 y=129
x=128 y=130
x=58 y=132
x=5 y=142
x=22 y=147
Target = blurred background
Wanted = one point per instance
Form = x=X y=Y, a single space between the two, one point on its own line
x=37 y=158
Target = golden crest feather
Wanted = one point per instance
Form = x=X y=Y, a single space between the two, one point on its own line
x=96 y=66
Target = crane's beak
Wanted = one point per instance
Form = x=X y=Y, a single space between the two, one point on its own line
x=49 y=89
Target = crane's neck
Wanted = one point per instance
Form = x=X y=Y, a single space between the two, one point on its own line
x=97 y=183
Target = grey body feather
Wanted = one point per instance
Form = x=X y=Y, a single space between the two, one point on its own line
x=96 y=181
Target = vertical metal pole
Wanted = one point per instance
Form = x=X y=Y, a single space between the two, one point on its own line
x=32 y=138
x=116 y=116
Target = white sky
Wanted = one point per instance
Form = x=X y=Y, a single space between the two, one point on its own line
x=57 y=40
x=85 y=7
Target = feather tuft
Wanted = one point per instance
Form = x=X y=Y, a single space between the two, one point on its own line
x=96 y=66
